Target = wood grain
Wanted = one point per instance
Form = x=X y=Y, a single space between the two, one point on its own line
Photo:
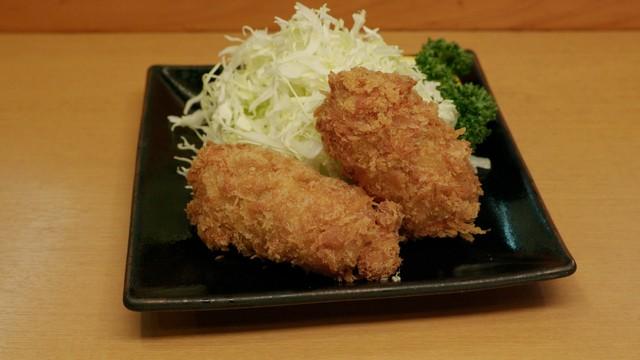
x=207 y=15
x=69 y=115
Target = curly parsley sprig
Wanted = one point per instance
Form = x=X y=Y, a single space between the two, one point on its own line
x=446 y=62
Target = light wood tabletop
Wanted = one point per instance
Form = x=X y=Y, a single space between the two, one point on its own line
x=70 y=108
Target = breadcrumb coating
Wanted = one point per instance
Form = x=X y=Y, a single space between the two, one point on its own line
x=392 y=143
x=269 y=205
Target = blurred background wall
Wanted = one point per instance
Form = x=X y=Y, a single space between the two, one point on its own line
x=230 y=15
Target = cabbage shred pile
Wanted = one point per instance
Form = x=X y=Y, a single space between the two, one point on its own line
x=267 y=87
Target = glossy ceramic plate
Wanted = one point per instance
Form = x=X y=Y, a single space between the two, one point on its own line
x=168 y=268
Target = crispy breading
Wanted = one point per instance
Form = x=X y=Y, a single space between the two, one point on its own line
x=269 y=205
x=392 y=143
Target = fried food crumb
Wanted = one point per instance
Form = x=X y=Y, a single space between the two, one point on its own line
x=392 y=143
x=274 y=207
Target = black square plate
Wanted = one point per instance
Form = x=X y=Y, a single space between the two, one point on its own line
x=168 y=268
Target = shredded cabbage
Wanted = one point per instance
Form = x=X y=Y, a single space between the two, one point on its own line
x=267 y=86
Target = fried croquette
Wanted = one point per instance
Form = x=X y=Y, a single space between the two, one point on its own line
x=392 y=143
x=269 y=205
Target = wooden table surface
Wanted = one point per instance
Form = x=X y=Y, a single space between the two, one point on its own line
x=70 y=108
